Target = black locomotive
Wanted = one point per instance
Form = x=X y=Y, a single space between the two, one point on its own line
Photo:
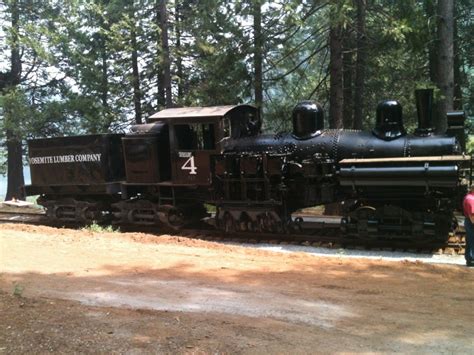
x=391 y=184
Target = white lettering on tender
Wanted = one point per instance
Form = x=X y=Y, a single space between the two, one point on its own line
x=71 y=158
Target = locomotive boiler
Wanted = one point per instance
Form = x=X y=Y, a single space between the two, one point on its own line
x=391 y=184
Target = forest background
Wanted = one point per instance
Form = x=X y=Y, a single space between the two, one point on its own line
x=75 y=66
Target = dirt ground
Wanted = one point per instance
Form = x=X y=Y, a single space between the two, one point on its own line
x=67 y=290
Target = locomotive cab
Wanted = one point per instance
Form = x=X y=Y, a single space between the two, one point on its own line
x=197 y=133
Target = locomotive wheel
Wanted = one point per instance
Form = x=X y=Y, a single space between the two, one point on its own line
x=266 y=222
x=364 y=212
x=62 y=212
x=366 y=221
x=229 y=223
x=89 y=214
x=252 y=227
x=260 y=223
x=74 y=211
x=245 y=223
x=275 y=224
x=176 y=218
x=296 y=225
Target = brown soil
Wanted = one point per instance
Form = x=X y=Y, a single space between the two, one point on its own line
x=68 y=290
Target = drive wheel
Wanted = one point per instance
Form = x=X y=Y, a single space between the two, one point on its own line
x=229 y=223
x=176 y=218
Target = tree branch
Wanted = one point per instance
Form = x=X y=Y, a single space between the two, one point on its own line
x=33 y=65
x=274 y=64
x=299 y=64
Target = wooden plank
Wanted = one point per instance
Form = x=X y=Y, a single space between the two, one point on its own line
x=17 y=203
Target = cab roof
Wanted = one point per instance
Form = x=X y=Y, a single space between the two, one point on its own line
x=196 y=112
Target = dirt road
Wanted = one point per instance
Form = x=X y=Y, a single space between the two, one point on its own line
x=66 y=290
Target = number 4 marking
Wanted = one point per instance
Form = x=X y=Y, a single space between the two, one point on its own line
x=189 y=165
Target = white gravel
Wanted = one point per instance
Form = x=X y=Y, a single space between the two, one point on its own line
x=196 y=296
x=364 y=254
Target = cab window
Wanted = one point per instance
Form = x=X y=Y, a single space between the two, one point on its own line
x=195 y=136
x=226 y=127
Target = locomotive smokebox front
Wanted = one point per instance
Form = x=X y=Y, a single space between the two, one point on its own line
x=308 y=119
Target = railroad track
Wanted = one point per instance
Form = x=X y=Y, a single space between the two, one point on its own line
x=335 y=241
x=326 y=233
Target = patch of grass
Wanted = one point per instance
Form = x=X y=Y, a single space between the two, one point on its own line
x=97 y=228
x=33 y=199
x=210 y=208
x=18 y=290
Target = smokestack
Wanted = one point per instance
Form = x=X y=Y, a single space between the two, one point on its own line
x=424 y=108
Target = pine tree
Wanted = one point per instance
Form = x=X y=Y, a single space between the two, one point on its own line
x=30 y=92
x=445 y=61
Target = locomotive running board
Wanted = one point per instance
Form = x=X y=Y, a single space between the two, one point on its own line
x=405 y=159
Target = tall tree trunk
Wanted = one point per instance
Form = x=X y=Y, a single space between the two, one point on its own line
x=137 y=99
x=432 y=55
x=258 y=52
x=457 y=99
x=136 y=78
x=179 y=60
x=361 y=43
x=347 y=69
x=161 y=101
x=430 y=9
x=104 y=85
x=15 y=179
x=165 y=54
x=445 y=72
x=335 y=71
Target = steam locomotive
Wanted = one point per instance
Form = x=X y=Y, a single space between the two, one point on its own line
x=168 y=171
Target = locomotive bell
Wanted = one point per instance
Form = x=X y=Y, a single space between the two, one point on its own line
x=389 y=122
x=308 y=119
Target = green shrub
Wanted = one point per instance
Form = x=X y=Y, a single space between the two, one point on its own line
x=18 y=290
x=97 y=228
